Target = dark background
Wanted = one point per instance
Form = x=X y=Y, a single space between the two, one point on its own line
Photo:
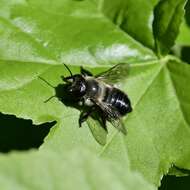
x=21 y=134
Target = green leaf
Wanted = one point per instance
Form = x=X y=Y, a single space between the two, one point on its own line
x=167 y=19
x=36 y=36
x=67 y=33
x=182 y=47
x=163 y=122
x=184 y=37
x=75 y=169
x=134 y=17
x=158 y=126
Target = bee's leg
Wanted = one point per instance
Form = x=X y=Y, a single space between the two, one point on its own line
x=84 y=72
x=84 y=116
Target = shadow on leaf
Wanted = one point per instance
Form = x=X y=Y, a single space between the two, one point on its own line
x=21 y=134
x=175 y=183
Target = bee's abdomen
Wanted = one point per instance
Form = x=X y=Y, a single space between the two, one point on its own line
x=118 y=99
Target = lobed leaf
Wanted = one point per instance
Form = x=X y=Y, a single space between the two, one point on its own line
x=168 y=16
x=74 y=169
x=134 y=17
x=37 y=36
x=66 y=33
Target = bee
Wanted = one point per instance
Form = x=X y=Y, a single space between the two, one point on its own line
x=98 y=94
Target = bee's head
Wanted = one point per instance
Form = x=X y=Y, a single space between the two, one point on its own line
x=76 y=86
x=73 y=89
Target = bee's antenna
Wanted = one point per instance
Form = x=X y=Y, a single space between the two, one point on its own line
x=68 y=69
x=49 y=99
x=48 y=85
x=46 y=81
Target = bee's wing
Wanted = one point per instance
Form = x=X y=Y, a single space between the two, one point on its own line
x=118 y=124
x=112 y=115
x=114 y=74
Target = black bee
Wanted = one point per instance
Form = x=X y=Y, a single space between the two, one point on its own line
x=98 y=94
